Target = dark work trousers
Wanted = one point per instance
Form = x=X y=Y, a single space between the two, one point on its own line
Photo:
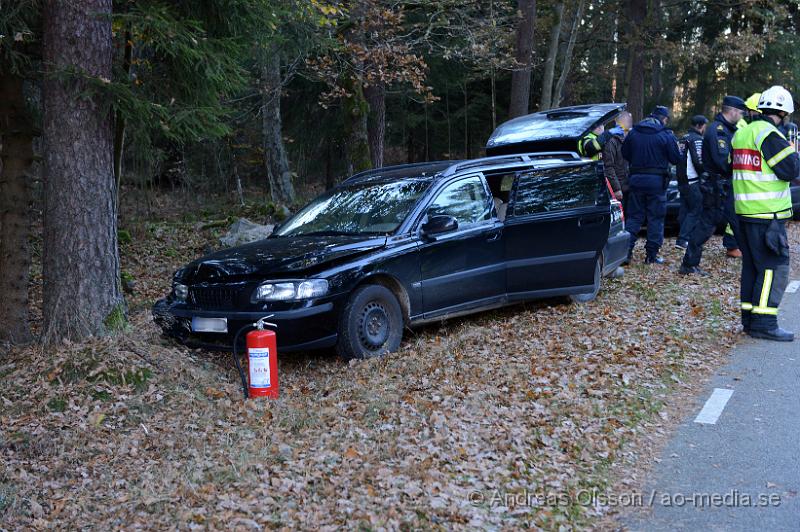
x=765 y=273
x=717 y=209
x=644 y=204
x=691 y=209
x=731 y=229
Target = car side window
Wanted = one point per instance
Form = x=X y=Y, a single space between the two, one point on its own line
x=556 y=189
x=466 y=200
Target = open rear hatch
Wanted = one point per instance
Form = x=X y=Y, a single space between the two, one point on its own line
x=553 y=130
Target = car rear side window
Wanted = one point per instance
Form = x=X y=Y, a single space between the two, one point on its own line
x=556 y=189
x=466 y=200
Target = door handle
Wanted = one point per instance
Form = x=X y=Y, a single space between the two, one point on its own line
x=493 y=236
x=588 y=221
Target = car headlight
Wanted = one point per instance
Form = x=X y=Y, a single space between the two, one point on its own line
x=290 y=290
x=181 y=291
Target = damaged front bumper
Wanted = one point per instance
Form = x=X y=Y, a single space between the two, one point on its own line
x=300 y=329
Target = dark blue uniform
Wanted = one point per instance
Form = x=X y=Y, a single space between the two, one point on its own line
x=649 y=148
x=691 y=146
x=717 y=191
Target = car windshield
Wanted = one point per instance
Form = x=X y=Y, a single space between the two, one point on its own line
x=363 y=208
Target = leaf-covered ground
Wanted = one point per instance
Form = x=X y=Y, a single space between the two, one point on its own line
x=504 y=419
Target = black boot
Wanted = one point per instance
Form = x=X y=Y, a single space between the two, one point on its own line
x=746 y=321
x=688 y=270
x=776 y=335
x=653 y=259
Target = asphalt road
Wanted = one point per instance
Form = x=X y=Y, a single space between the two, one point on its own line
x=741 y=472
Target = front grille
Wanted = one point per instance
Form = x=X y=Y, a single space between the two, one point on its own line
x=214 y=297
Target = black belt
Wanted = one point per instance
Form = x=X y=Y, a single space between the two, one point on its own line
x=649 y=170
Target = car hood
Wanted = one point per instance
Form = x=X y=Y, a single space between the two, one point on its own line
x=278 y=255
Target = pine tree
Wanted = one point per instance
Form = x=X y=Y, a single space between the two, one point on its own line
x=82 y=295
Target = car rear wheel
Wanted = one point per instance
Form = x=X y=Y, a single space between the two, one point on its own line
x=598 y=278
x=371 y=323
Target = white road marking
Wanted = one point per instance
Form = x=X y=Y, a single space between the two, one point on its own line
x=714 y=406
x=793 y=287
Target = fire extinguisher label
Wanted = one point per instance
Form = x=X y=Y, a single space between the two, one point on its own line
x=259 y=367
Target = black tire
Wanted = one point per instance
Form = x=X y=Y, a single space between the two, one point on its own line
x=371 y=323
x=598 y=279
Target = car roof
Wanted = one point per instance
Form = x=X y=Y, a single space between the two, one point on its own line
x=564 y=123
x=426 y=170
x=444 y=169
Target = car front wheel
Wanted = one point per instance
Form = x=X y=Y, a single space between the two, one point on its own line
x=371 y=323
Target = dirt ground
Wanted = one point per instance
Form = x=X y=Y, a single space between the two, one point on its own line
x=505 y=419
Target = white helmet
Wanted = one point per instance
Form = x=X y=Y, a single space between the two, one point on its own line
x=776 y=98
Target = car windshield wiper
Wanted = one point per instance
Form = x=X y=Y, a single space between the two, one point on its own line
x=325 y=233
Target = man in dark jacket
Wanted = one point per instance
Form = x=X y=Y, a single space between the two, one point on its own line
x=715 y=185
x=615 y=167
x=649 y=149
x=688 y=174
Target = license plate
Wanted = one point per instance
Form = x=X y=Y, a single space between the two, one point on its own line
x=211 y=325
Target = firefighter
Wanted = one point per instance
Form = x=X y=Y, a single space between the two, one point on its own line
x=715 y=184
x=649 y=148
x=752 y=110
x=764 y=163
x=688 y=175
x=591 y=145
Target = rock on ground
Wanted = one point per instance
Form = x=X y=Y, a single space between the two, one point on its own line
x=243 y=231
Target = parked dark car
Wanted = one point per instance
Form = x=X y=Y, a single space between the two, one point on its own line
x=404 y=245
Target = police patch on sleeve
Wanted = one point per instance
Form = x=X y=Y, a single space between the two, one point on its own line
x=722 y=144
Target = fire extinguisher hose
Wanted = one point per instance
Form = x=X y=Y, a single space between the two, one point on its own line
x=236 y=358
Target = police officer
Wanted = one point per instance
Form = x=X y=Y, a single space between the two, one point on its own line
x=649 y=148
x=715 y=185
x=688 y=174
x=764 y=163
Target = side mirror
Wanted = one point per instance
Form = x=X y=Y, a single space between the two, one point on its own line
x=438 y=224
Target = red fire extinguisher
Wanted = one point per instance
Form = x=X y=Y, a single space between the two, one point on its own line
x=262 y=360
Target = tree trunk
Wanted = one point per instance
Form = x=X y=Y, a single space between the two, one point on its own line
x=552 y=55
x=466 y=121
x=82 y=294
x=355 y=110
x=521 y=76
x=119 y=120
x=280 y=178
x=375 y=95
x=637 y=12
x=621 y=50
x=573 y=35
x=16 y=152
x=493 y=95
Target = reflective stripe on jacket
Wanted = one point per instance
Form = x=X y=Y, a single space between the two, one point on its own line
x=590 y=145
x=757 y=191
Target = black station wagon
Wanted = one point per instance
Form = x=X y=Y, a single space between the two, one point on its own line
x=399 y=246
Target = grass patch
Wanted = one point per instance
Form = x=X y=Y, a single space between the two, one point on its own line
x=8 y=496
x=57 y=404
x=116 y=320
x=75 y=371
